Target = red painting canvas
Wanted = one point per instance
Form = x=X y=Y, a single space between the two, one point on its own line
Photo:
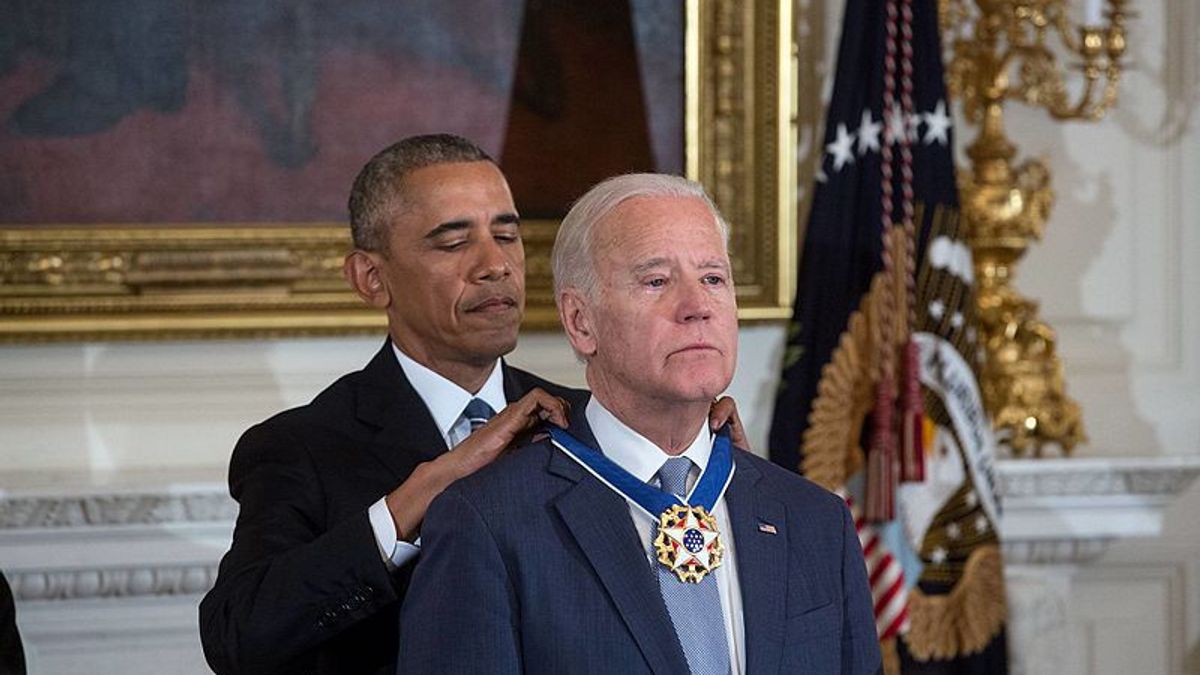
x=262 y=111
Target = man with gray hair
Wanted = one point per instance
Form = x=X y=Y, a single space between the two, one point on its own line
x=636 y=540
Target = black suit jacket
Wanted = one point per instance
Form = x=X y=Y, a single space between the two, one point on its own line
x=303 y=589
x=12 y=656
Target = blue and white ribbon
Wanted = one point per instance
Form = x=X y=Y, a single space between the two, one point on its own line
x=705 y=493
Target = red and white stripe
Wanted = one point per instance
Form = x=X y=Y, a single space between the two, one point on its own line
x=886 y=577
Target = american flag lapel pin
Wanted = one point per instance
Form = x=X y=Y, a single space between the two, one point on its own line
x=767 y=528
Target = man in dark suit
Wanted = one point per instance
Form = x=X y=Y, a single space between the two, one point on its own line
x=12 y=654
x=332 y=493
x=635 y=542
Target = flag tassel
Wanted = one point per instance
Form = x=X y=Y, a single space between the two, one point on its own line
x=881 y=463
x=912 y=455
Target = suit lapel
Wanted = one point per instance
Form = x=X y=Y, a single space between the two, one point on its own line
x=599 y=521
x=407 y=434
x=762 y=559
x=514 y=385
x=386 y=400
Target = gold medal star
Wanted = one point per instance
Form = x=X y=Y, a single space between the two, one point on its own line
x=688 y=542
x=692 y=540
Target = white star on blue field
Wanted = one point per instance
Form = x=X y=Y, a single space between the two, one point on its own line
x=850 y=142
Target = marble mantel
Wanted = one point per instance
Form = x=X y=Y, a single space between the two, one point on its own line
x=110 y=570
x=1070 y=510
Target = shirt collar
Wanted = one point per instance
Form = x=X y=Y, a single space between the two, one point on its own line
x=634 y=452
x=445 y=399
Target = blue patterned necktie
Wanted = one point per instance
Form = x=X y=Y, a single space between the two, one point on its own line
x=695 y=608
x=477 y=413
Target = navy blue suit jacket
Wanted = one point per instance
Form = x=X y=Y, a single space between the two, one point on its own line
x=533 y=565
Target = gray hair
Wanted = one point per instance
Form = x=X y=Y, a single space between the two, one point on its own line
x=572 y=259
x=377 y=194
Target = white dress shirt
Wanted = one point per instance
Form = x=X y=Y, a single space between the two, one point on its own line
x=445 y=401
x=640 y=457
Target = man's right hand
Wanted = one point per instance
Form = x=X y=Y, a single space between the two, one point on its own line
x=492 y=439
x=409 y=502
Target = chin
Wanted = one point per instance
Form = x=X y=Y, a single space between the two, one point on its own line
x=701 y=380
x=496 y=344
x=697 y=391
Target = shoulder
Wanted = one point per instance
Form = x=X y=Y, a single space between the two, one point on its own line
x=510 y=494
x=793 y=489
x=286 y=435
x=515 y=476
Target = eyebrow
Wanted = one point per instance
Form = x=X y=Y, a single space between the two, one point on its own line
x=646 y=266
x=507 y=218
x=715 y=263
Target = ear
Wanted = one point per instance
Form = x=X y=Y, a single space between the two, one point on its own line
x=575 y=314
x=363 y=269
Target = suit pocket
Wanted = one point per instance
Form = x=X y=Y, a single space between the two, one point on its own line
x=813 y=642
x=822 y=621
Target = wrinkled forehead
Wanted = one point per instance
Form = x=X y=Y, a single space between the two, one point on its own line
x=658 y=226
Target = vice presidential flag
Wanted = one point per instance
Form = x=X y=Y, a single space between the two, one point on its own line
x=879 y=398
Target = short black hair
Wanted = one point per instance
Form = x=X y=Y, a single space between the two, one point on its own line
x=376 y=194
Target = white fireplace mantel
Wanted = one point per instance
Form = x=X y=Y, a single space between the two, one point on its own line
x=1070 y=510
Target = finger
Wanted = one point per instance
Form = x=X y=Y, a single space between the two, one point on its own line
x=555 y=411
x=529 y=411
x=541 y=406
x=722 y=410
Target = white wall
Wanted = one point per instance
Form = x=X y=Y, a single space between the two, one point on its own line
x=104 y=408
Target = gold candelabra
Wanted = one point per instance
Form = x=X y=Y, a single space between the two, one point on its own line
x=1002 y=52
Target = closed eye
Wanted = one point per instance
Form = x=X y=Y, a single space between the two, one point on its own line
x=506 y=229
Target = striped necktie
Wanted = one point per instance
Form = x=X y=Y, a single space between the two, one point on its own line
x=477 y=413
x=695 y=609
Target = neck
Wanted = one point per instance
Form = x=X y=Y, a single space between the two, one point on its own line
x=469 y=375
x=671 y=425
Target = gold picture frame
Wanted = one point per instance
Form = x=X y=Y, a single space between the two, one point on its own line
x=108 y=282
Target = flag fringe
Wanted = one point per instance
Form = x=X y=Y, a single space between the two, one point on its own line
x=891 y=656
x=965 y=620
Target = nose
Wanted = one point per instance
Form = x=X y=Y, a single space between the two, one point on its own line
x=492 y=263
x=694 y=303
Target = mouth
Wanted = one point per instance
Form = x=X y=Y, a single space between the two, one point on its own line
x=696 y=348
x=493 y=304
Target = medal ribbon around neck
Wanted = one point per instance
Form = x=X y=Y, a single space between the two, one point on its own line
x=688 y=541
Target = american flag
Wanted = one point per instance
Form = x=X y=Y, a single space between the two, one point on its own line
x=886 y=576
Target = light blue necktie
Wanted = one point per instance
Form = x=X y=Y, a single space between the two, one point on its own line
x=477 y=413
x=695 y=608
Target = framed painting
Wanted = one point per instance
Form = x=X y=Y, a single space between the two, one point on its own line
x=179 y=168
